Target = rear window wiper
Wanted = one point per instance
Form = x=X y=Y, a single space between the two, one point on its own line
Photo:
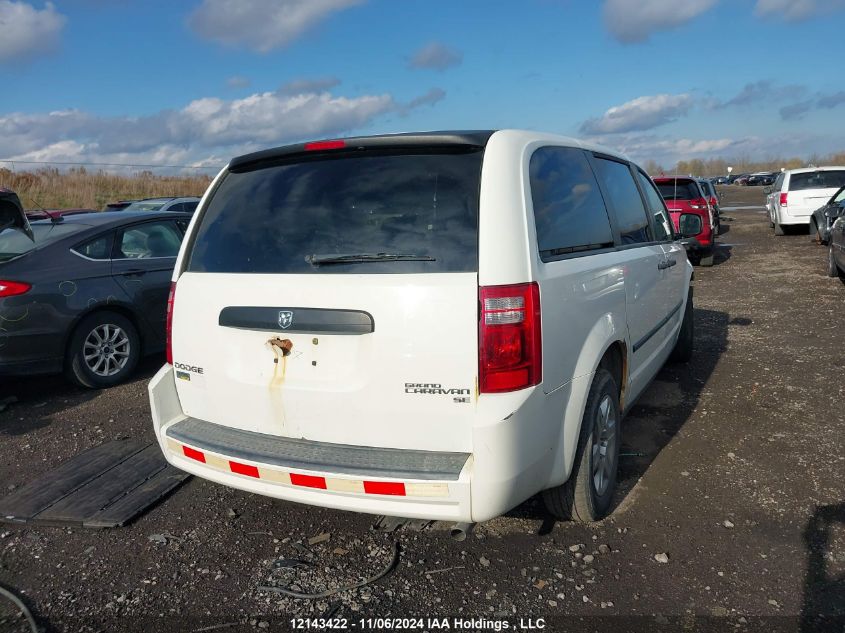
x=361 y=258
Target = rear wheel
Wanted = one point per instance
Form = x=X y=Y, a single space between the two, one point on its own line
x=815 y=232
x=103 y=351
x=588 y=493
x=706 y=258
x=778 y=227
x=682 y=352
x=832 y=268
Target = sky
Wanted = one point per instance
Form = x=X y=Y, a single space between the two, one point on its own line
x=196 y=82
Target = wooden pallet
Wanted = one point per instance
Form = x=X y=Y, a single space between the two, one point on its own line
x=103 y=487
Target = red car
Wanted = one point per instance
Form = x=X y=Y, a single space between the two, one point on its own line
x=54 y=214
x=692 y=215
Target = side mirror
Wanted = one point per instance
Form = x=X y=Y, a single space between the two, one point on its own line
x=689 y=225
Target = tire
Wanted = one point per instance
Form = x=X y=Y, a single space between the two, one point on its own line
x=778 y=228
x=112 y=358
x=832 y=268
x=815 y=233
x=684 y=346
x=694 y=258
x=706 y=259
x=579 y=499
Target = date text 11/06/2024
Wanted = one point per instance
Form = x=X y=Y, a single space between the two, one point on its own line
x=412 y=624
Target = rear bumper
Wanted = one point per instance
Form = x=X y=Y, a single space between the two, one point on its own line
x=793 y=215
x=406 y=483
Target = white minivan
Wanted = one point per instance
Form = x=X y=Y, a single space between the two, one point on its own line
x=797 y=193
x=433 y=325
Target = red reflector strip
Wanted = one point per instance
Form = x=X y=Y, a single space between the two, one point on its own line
x=193 y=454
x=323 y=145
x=384 y=488
x=308 y=481
x=244 y=469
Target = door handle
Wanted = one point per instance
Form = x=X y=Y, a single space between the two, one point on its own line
x=134 y=272
x=666 y=263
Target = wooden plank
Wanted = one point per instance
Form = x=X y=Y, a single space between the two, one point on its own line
x=106 y=489
x=138 y=500
x=52 y=487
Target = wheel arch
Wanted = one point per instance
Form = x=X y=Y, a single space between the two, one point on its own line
x=611 y=354
x=119 y=308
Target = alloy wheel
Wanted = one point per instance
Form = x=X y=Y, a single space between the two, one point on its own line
x=604 y=445
x=106 y=350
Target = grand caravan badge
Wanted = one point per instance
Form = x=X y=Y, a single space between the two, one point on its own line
x=285 y=319
x=433 y=389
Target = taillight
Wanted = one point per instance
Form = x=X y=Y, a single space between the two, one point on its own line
x=699 y=203
x=13 y=288
x=171 y=299
x=509 y=338
x=783 y=199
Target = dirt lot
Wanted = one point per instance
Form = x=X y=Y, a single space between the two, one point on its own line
x=733 y=467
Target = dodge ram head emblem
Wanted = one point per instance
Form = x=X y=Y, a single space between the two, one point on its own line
x=285 y=319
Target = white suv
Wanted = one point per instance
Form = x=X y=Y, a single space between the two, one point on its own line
x=798 y=192
x=434 y=325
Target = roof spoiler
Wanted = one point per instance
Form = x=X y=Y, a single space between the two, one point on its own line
x=475 y=138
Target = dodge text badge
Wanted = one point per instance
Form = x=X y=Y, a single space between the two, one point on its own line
x=285 y=319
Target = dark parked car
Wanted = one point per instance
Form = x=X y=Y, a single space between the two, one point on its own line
x=720 y=180
x=836 y=249
x=824 y=217
x=118 y=206
x=85 y=294
x=761 y=179
x=12 y=216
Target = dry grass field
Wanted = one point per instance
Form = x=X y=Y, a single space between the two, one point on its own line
x=79 y=188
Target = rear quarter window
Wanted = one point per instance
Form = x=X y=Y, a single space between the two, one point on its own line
x=569 y=212
x=277 y=218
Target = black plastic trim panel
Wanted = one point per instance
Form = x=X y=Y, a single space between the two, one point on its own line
x=311 y=320
x=322 y=457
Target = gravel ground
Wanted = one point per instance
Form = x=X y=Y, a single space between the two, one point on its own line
x=731 y=509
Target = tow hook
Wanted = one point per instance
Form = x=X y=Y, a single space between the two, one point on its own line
x=286 y=345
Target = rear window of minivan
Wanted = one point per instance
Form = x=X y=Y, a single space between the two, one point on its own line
x=386 y=206
x=831 y=179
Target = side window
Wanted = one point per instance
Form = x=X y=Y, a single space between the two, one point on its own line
x=778 y=182
x=626 y=200
x=662 y=221
x=151 y=239
x=98 y=248
x=191 y=206
x=179 y=206
x=569 y=211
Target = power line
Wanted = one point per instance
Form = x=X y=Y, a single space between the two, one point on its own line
x=57 y=162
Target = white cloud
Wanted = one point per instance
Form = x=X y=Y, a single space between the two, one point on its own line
x=26 y=31
x=202 y=130
x=238 y=81
x=632 y=21
x=436 y=56
x=642 y=113
x=795 y=10
x=668 y=150
x=261 y=25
